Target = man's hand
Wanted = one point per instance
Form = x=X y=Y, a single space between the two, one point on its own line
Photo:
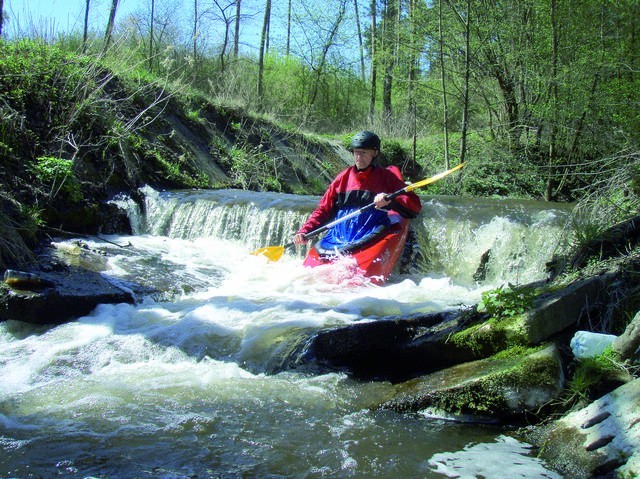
x=381 y=200
x=299 y=239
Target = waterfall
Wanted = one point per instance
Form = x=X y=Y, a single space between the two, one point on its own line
x=471 y=240
x=256 y=219
x=495 y=241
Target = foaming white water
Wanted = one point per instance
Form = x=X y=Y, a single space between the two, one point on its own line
x=250 y=302
x=510 y=241
x=508 y=249
x=181 y=385
x=240 y=315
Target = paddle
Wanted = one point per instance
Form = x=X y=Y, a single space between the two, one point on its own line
x=274 y=253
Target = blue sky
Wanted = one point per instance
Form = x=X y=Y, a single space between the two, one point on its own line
x=49 y=16
x=61 y=15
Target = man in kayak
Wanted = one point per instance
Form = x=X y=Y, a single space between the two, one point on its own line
x=355 y=187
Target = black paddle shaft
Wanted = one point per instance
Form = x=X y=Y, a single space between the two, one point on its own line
x=371 y=205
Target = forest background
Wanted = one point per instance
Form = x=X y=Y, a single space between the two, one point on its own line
x=544 y=88
x=540 y=96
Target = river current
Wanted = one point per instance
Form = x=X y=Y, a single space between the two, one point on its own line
x=182 y=384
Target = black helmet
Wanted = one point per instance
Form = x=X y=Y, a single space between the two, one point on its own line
x=365 y=140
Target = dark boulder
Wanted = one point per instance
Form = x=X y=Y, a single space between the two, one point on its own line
x=58 y=297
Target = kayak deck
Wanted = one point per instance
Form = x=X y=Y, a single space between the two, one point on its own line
x=377 y=259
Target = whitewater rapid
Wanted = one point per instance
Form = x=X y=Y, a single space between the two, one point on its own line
x=179 y=385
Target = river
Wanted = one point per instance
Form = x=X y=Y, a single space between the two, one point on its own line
x=180 y=384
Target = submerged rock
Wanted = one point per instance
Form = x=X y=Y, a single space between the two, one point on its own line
x=390 y=349
x=489 y=389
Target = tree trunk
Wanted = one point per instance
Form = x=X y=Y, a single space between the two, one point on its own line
x=389 y=39
x=85 y=35
x=2 y=15
x=445 y=111
x=263 y=42
x=225 y=43
x=355 y=6
x=554 y=101
x=323 y=55
x=374 y=64
x=289 y=28
x=413 y=46
x=153 y=9
x=195 y=31
x=110 y=24
x=465 y=91
x=236 y=33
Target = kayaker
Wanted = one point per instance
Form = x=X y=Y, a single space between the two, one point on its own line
x=355 y=187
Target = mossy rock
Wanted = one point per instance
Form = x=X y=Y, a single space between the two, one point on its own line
x=500 y=388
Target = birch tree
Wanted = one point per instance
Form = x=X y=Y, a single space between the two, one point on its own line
x=263 y=46
x=85 y=34
x=236 y=32
x=374 y=62
x=110 y=24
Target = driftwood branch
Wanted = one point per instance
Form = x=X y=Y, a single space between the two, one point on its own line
x=627 y=345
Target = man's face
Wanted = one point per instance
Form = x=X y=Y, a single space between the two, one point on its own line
x=363 y=158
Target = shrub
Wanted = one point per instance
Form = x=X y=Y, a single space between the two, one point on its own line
x=56 y=174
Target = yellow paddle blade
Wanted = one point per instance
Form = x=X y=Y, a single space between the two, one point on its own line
x=273 y=253
x=433 y=179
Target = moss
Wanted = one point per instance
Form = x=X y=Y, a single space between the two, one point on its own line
x=472 y=399
x=593 y=377
x=517 y=350
x=518 y=389
x=515 y=383
x=491 y=336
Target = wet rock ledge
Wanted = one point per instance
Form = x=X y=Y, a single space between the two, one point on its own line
x=57 y=295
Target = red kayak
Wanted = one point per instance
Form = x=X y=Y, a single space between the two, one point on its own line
x=377 y=258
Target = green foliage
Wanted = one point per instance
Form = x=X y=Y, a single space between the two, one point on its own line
x=591 y=373
x=506 y=302
x=13 y=248
x=175 y=172
x=194 y=115
x=253 y=170
x=31 y=222
x=616 y=200
x=35 y=77
x=393 y=152
x=57 y=175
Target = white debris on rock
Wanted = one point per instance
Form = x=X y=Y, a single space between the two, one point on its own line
x=611 y=428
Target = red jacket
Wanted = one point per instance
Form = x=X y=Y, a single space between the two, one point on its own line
x=355 y=189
